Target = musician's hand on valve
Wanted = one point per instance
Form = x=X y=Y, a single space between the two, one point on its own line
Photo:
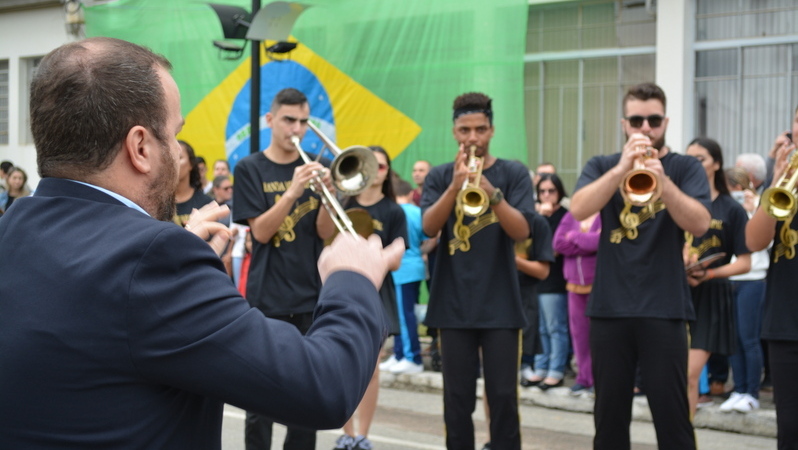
x=302 y=175
x=633 y=150
x=782 y=160
x=460 y=172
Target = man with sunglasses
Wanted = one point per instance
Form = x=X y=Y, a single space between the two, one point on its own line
x=288 y=227
x=640 y=303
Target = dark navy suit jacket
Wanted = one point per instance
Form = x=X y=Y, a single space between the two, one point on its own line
x=121 y=331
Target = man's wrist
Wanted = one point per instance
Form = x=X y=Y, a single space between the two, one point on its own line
x=496 y=197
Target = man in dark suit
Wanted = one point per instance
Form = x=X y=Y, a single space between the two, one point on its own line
x=118 y=330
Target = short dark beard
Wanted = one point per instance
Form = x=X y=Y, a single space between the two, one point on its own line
x=162 y=189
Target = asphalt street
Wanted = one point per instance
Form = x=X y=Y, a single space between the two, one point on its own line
x=407 y=420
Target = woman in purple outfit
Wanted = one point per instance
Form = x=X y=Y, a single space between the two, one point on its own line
x=578 y=242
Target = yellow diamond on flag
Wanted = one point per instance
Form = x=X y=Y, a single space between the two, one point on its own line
x=218 y=127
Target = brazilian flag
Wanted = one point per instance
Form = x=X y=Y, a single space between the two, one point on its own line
x=376 y=72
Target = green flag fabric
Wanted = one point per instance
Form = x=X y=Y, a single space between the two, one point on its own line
x=387 y=70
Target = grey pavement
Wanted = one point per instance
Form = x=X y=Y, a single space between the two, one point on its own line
x=761 y=422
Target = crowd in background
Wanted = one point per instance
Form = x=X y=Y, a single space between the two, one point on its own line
x=556 y=267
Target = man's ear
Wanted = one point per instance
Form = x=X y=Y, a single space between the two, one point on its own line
x=138 y=146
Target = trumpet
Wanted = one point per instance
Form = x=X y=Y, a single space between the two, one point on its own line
x=779 y=200
x=640 y=186
x=352 y=170
x=472 y=198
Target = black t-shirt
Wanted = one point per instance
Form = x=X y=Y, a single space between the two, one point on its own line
x=781 y=308
x=538 y=246
x=726 y=232
x=644 y=276
x=283 y=277
x=197 y=201
x=388 y=219
x=478 y=288
x=555 y=282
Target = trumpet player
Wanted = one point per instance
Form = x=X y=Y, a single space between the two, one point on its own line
x=780 y=324
x=640 y=300
x=274 y=200
x=475 y=300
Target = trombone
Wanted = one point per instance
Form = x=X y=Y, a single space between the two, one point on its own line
x=779 y=200
x=472 y=199
x=639 y=186
x=352 y=170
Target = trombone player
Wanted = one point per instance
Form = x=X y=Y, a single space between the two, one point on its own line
x=475 y=300
x=640 y=303
x=288 y=227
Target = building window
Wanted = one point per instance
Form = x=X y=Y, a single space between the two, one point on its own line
x=581 y=58
x=746 y=79
x=4 y=102
x=28 y=68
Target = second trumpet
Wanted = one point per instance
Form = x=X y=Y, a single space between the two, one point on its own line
x=474 y=199
x=640 y=186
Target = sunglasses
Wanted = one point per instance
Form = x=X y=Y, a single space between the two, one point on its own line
x=548 y=191
x=654 y=121
x=382 y=166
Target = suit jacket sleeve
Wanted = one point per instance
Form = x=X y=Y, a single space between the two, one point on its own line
x=189 y=328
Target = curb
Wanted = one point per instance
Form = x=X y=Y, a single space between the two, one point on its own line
x=761 y=422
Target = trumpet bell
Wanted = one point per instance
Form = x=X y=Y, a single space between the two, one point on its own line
x=779 y=203
x=640 y=187
x=474 y=200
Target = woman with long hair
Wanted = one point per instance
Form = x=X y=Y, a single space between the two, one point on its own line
x=17 y=182
x=189 y=194
x=389 y=222
x=714 y=328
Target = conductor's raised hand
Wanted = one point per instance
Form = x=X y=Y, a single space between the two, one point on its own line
x=204 y=223
x=366 y=257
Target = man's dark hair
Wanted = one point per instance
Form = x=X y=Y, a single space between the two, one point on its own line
x=200 y=160
x=6 y=166
x=85 y=98
x=473 y=102
x=645 y=91
x=288 y=96
x=402 y=187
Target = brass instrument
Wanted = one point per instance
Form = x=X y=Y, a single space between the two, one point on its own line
x=473 y=199
x=352 y=171
x=779 y=200
x=640 y=186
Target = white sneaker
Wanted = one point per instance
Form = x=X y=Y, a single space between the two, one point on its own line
x=728 y=405
x=747 y=403
x=388 y=363
x=406 y=366
x=527 y=372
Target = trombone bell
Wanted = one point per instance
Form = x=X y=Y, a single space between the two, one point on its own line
x=353 y=169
